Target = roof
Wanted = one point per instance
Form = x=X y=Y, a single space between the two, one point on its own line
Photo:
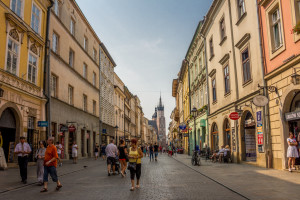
x=108 y=55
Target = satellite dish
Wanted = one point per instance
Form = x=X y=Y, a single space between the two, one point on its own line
x=260 y=100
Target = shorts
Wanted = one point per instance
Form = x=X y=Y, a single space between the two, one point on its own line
x=96 y=154
x=59 y=155
x=136 y=172
x=52 y=171
x=122 y=159
x=111 y=161
x=74 y=154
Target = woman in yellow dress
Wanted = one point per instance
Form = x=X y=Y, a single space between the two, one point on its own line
x=3 y=164
x=135 y=155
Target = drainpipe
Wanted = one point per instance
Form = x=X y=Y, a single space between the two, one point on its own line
x=189 y=81
x=46 y=85
x=236 y=81
x=266 y=127
x=207 y=97
x=100 y=121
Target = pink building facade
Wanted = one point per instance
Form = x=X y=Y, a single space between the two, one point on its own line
x=281 y=57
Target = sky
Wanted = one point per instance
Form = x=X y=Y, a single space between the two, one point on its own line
x=148 y=39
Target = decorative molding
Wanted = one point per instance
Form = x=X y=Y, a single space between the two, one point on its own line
x=243 y=41
x=224 y=59
x=15 y=22
x=212 y=72
x=264 y=2
x=223 y=40
x=241 y=19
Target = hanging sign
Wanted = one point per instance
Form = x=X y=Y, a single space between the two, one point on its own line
x=259 y=131
x=182 y=126
x=260 y=100
x=72 y=128
x=234 y=116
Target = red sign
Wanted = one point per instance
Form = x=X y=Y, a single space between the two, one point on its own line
x=260 y=139
x=72 y=128
x=234 y=116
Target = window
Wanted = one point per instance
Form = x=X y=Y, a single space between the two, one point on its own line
x=214 y=89
x=35 y=18
x=32 y=67
x=246 y=65
x=94 y=107
x=85 y=43
x=200 y=64
x=72 y=27
x=55 y=43
x=70 y=95
x=94 y=54
x=94 y=79
x=84 y=70
x=276 y=29
x=241 y=7
x=16 y=7
x=71 y=58
x=56 y=7
x=222 y=28
x=12 y=56
x=201 y=95
x=211 y=47
x=205 y=95
x=297 y=11
x=84 y=102
x=226 y=79
x=54 y=86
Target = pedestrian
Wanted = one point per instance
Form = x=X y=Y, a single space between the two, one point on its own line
x=50 y=163
x=111 y=152
x=174 y=151
x=59 y=149
x=74 y=152
x=123 y=155
x=23 y=150
x=170 y=150
x=160 y=149
x=155 y=151
x=145 y=151
x=292 y=152
x=151 y=151
x=3 y=164
x=135 y=164
x=148 y=151
x=40 y=156
x=103 y=154
x=96 y=151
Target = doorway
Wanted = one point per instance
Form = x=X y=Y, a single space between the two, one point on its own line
x=248 y=140
x=8 y=130
x=215 y=137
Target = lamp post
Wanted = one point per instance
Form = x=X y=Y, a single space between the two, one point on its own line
x=116 y=127
x=194 y=114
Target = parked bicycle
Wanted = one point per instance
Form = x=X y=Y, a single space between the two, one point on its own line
x=196 y=159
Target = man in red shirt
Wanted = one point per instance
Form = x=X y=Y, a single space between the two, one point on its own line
x=50 y=164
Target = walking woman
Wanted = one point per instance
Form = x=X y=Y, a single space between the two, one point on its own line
x=122 y=157
x=292 y=152
x=135 y=164
x=40 y=156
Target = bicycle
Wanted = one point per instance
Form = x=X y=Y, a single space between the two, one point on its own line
x=196 y=159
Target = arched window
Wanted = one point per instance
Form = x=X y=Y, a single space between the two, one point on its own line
x=215 y=137
x=226 y=132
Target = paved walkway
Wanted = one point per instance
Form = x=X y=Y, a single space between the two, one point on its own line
x=250 y=181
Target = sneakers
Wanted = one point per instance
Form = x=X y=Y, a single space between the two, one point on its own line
x=293 y=168
x=290 y=170
x=108 y=174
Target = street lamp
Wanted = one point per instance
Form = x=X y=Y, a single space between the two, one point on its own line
x=116 y=127
x=194 y=114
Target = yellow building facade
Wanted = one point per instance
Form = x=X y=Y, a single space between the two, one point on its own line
x=22 y=47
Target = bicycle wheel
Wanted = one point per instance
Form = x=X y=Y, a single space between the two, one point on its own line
x=199 y=161
x=193 y=161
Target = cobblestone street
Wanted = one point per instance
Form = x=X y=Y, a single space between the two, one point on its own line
x=169 y=178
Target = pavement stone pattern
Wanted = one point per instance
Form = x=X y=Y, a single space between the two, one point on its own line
x=169 y=178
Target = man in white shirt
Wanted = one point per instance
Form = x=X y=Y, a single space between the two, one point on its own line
x=23 y=150
x=111 y=153
x=74 y=152
x=59 y=148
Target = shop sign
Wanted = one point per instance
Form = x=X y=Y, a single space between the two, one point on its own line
x=260 y=139
x=259 y=130
x=260 y=101
x=63 y=128
x=72 y=128
x=42 y=123
x=182 y=126
x=292 y=116
x=202 y=123
x=234 y=116
x=186 y=135
x=233 y=139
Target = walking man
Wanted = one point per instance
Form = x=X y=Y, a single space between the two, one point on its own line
x=74 y=152
x=50 y=164
x=59 y=148
x=151 y=151
x=155 y=151
x=23 y=150
x=111 y=153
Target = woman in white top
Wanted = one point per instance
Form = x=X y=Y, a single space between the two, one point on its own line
x=40 y=156
x=292 y=152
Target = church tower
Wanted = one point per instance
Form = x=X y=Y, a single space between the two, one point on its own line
x=161 y=123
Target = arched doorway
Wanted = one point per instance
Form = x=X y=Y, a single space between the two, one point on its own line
x=226 y=133
x=248 y=140
x=8 y=127
x=214 y=137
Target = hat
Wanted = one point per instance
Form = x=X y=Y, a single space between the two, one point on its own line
x=227 y=146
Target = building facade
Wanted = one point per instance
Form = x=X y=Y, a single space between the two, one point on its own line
x=74 y=64
x=281 y=67
x=22 y=47
x=119 y=98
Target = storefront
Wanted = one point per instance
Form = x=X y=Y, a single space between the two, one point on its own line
x=214 y=137
x=248 y=140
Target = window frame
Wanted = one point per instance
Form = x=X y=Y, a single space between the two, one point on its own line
x=222 y=29
x=56 y=44
x=247 y=47
x=84 y=103
x=273 y=24
x=71 y=95
x=32 y=66
x=85 y=43
x=72 y=26
x=54 y=89
x=214 y=88
x=56 y=8
x=17 y=54
x=295 y=16
x=94 y=107
x=73 y=58
x=21 y=9
x=240 y=15
x=40 y=17
x=226 y=90
x=94 y=78
x=85 y=71
x=95 y=54
x=211 y=47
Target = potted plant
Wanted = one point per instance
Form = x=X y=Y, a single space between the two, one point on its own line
x=296 y=28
